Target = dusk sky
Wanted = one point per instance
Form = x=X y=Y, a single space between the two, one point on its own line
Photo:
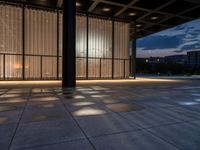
x=174 y=41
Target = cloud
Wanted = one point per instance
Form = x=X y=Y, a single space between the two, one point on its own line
x=159 y=42
x=155 y=53
x=176 y=40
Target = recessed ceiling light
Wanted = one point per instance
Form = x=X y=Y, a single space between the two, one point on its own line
x=132 y=14
x=138 y=25
x=106 y=9
x=154 y=18
x=78 y=4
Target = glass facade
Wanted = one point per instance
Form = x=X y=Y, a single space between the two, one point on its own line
x=31 y=45
x=121 y=47
x=10 y=42
x=100 y=48
x=40 y=44
x=81 y=46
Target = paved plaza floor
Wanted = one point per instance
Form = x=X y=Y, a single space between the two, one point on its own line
x=146 y=114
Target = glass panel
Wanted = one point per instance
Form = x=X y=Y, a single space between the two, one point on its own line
x=93 y=68
x=100 y=38
x=106 y=68
x=81 y=46
x=119 y=69
x=81 y=67
x=32 y=67
x=10 y=29
x=13 y=66
x=81 y=36
x=49 y=68
x=11 y=41
x=40 y=32
x=100 y=46
x=127 y=68
x=41 y=42
x=121 y=49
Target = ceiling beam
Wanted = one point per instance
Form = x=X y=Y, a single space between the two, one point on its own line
x=94 y=5
x=157 y=9
x=193 y=1
x=125 y=8
x=111 y=3
x=178 y=15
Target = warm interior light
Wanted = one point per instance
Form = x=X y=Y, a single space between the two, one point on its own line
x=27 y=67
x=154 y=18
x=132 y=14
x=17 y=66
x=138 y=25
x=78 y=4
x=106 y=9
x=82 y=82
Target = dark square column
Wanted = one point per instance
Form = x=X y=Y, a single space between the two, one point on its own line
x=133 y=49
x=69 y=39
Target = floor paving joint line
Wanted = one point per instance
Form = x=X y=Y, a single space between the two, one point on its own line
x=78 y=124
x=19 y=122
x=37 y=146
x=180 y=148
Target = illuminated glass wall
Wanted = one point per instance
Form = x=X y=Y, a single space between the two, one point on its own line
x=81 y=46
x=100 y=48
x=41 y=44
x=121 y=53
x=31 y=45
x=10 y=42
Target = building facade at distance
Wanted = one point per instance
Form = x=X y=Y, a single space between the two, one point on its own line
x=194 y=58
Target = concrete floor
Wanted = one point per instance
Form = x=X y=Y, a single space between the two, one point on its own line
x=145 y=114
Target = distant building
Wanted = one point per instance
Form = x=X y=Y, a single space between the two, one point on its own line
x=193 y=57
x=176 y=59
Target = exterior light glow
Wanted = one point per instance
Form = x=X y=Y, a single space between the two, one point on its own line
x=132 y=14
x=106 y=9
x=78 y=4
x=17 y=66
x=138 y=25
x=154 y=18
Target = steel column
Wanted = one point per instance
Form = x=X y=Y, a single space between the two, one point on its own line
x=113 y=47
x=87 y=46
x=58 y=44
x=23 y=42
x=41 y=67
x=4 y=67
x=69 y=38
x=133 y=52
